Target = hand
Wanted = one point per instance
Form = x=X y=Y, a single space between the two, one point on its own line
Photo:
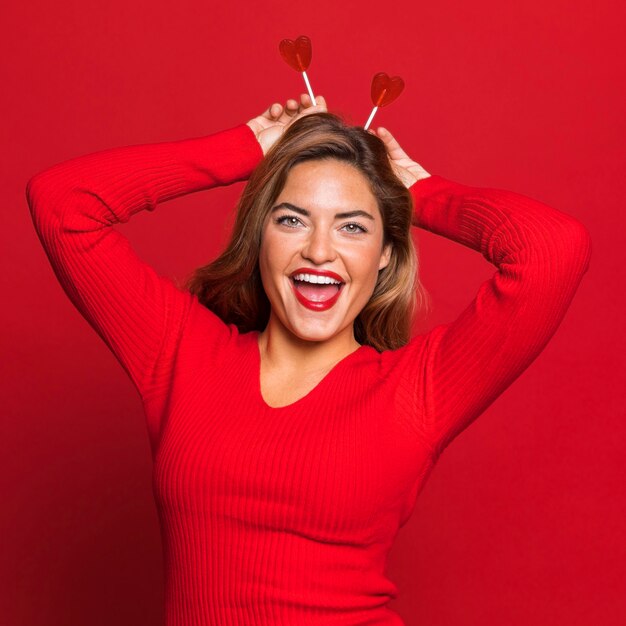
x=270 y=125
x=407 y=170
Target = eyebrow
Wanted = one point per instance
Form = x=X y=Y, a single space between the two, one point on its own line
x=297 y=209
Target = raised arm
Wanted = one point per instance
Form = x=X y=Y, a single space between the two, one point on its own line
x=74 y=205
x=454 y=372
x=540 y=254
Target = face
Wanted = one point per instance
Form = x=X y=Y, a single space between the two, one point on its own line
x=326 y=219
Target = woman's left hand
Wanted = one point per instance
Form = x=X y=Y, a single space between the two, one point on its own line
x=407 y=170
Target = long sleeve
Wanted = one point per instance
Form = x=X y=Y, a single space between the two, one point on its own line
x=74 y=206
x=540 y=253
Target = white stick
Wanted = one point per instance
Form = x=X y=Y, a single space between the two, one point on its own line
x=371 y=117
x=308 y=86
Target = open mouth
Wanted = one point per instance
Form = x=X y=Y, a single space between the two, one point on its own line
x=316 y=292
x=316 y=296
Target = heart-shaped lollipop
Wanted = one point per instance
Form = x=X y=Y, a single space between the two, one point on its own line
x=384 y=91
x=297 y=54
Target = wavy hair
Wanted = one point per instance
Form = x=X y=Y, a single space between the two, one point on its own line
x=231 y=286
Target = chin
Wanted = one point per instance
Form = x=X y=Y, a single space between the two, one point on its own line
x=313 y=327
x=313 y=333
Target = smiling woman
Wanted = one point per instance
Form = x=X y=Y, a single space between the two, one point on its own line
x=326 y=242
x=292 y=433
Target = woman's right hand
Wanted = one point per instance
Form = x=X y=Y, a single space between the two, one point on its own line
x=270 y=125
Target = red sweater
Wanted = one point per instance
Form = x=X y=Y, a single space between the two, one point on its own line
x=285 y=516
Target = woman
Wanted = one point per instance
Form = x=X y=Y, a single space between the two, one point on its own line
x=293 y=425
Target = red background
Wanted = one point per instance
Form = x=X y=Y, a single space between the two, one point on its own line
x=523 y=520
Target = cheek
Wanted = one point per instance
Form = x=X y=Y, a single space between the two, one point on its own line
x=273 y=254
x=363 y=262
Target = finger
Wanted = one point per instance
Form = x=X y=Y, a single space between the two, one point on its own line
x=391 y=143
x=291 y=106
x=385 y=135
x=274 y=110
x=290 y=111
x=320 y=101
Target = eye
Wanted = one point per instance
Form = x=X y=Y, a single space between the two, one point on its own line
x=360 y=228
x=288 y=220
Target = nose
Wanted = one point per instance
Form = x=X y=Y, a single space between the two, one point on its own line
x=319 y=247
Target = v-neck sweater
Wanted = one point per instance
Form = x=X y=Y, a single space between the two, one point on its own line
x=285 y=515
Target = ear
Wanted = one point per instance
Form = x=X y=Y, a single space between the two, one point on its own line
x=385 y=257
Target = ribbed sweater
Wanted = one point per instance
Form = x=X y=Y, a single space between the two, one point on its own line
x=285 y=516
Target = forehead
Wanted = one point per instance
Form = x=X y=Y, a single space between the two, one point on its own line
x=327 y=184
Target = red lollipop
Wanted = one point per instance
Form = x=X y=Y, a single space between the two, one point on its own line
x=384 y=91
x=297 y=54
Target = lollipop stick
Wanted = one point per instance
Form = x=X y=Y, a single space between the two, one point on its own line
x=371 y=117
x=308 y=86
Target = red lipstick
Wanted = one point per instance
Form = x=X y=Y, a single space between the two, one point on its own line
x=316 y=305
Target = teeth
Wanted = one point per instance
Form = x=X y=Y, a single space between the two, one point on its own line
x=313 y=278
